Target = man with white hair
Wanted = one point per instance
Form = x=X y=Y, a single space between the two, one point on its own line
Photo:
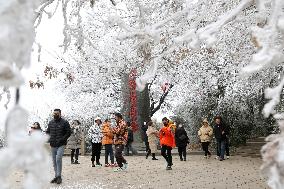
x=96 y=135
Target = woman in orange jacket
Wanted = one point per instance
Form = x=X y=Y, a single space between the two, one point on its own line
x=167 y=141
x=108 y=141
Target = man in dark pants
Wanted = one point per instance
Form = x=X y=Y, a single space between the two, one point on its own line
x=120 y=139
x=59 y=131
x=167 y=141
x=145 y=137
x=220 y=132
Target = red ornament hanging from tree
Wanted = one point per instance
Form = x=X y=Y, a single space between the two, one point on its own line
x=133 y=99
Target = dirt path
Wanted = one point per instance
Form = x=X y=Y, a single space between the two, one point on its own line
x=238 y=172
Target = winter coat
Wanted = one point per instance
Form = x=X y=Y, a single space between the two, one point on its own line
x=167 y=135
x=120 y=133
x=74 y=141
x=130 y=137
x=108 y=134
x=181 y=137
x=95 y=133
x=205 y=133
x=59 y=131
x=152 y=134
x=218 y=129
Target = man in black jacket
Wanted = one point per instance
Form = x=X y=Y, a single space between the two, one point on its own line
x=220 y=132
x=59 y=131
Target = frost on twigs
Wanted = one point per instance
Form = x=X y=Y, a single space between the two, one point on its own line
x=34 y=159
x=145 y=78
x=274 y=95
x=273 y=159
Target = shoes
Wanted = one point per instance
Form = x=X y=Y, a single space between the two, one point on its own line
x=99 y=164
x=119 y=169
x=154 y=159
x=205 y=157
x=169 y=168
x=72 y=161
x=112 y=165
x=217 y=157
x=93 y=165
x=125 y=166
x=228 y=157
x=59 y=180
x=107 y=165
x=221 y=159
x=76 y=162
x=53 y=180
x=184 y=159
x=181 y=159
x=115 y=165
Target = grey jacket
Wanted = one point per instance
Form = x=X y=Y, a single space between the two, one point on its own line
x=74 y=141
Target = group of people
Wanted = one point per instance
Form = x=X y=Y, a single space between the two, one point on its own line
x=221 y=133
x=101 y=133
x=121 y=136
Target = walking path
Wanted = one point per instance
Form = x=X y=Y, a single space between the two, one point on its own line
x=237 y=172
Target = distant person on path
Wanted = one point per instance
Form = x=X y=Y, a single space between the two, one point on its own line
x=35 y=127
x=220 y=132
x=74 y=141
x=152 y=134
x=205 y=134
x=107 y=142
x=120 y=139
x=182 y=140
x=59 y=131
x=96 y=135
x=167 y=141
x=145 y=138
x=130 y=140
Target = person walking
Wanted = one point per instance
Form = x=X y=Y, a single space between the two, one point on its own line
x=120 y=139
x=152 y=134
x=74 y=141
x=107 y=142
x=130 y=140
x=96 y=135
x=205 y=134
x=144 y=128
x=167 y=141
x=35 y=127
x=59 y=131
x=220 y=132
x=182 y=140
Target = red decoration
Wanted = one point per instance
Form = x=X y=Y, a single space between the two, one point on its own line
x=133 y=99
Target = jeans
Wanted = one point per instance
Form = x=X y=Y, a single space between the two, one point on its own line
x=221 y=148
x=96 y=152
x=76 y=153
x=205 y=146
x=182 y=152
x=57 y=153
x=227 y=147
x=118 y=154
x=109 y=152
x=166 y=152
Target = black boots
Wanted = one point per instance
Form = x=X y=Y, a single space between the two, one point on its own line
x=57 y=180
x=154 y=156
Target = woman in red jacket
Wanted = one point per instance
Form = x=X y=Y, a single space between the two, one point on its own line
x=167 y=141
